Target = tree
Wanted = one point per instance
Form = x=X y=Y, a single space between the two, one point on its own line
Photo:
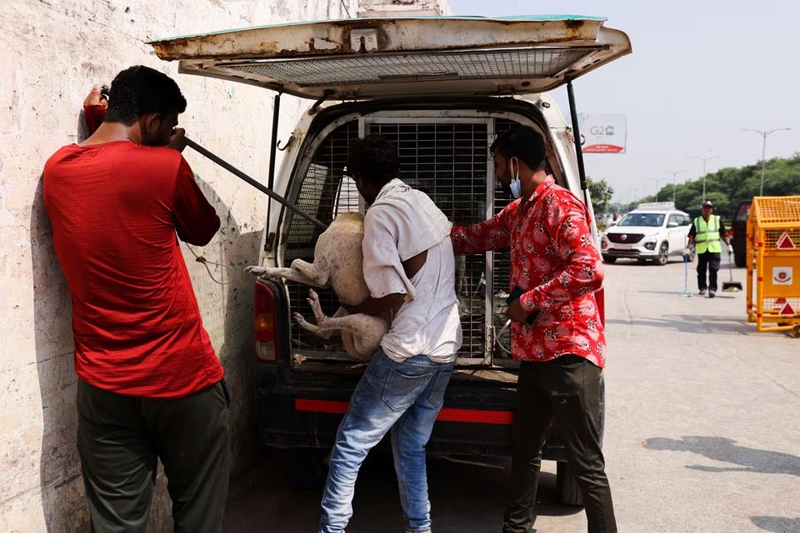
x=728 y=186
x=601 y=194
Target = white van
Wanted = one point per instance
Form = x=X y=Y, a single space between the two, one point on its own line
x=442 y=89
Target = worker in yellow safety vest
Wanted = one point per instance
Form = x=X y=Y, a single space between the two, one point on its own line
x=706 y=236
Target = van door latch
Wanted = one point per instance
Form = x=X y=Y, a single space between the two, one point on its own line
x=364 y=40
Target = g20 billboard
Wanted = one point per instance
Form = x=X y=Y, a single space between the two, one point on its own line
x=603 y=133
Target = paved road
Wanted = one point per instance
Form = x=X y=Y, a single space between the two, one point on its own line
x=702 y=432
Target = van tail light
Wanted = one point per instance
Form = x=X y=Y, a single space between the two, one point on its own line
x=266 y=322
x=600 y=296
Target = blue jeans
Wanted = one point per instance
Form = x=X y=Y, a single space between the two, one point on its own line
x=406 y=398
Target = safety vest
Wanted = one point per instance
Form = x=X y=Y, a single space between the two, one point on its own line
x=706 y=236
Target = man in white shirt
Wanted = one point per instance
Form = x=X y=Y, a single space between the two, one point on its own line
x=410 y=271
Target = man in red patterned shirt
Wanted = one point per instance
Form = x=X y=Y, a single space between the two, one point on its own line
x=556 y=330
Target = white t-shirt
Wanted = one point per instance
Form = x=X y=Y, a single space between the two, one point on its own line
x=396 y=225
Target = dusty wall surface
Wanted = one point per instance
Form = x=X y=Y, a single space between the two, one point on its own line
x=52 y=51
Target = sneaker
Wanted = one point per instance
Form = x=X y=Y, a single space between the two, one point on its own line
x=702 y=292
x=711 y=294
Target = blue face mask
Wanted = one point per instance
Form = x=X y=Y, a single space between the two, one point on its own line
x=516 y=185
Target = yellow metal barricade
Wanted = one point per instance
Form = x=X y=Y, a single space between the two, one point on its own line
x=773 y=264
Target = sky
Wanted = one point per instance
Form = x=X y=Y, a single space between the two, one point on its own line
x=700 y=71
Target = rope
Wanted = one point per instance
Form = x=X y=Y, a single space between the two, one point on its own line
x=206 y=262
x=346 y=9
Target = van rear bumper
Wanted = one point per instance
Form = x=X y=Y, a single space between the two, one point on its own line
x=305 y=411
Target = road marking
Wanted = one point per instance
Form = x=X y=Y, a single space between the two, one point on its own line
x=626 y=310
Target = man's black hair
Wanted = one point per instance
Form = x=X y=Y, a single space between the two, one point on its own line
x=524 y=143
x=375 y=158
x=140 y=90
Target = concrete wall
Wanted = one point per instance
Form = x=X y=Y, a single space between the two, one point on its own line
x=52 y=52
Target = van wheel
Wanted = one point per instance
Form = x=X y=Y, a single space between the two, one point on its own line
x=568 y=490
x=663 y=254
x=608 y=259
x=304 y=468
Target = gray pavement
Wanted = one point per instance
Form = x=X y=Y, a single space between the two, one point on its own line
x=702 y=431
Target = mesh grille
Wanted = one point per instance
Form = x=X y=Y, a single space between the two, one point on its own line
x=325 y=192
x=773 y=236
x=778 y=210
x=536 y=63
x=448 y=163
x=630 y=238
x=777 y=307
x=501 y=262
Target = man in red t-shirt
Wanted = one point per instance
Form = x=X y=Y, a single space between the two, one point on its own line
x=556 y=330
x=150 y=385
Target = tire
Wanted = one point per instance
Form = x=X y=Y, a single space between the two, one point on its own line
x=608 y=259
x=304 y=468
x=739 y=260
x=569 y=493
x=663 y=255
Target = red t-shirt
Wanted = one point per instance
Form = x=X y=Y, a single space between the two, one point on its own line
x=115 y=209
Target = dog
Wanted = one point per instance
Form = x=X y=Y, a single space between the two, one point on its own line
x=338 y=261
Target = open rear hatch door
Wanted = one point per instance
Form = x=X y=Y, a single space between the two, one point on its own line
x=386 y=57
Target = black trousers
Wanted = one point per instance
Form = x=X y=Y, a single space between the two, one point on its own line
x=710 y=261
x=567 y=390
x=120 y=439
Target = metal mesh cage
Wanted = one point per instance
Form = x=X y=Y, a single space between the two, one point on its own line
x=449 y=161
x=776 y=210
x=325 y=193
x=364 y=69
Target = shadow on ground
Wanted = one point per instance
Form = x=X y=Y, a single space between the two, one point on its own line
x=777 y=524
x=692 y=324
x=727 y=451
x=463 y=497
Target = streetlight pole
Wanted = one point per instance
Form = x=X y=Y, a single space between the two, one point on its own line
x=657 y=180
x=674 y=181
x=704 y=160
x=764 y=135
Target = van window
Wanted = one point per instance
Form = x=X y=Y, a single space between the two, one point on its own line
x=743 y=212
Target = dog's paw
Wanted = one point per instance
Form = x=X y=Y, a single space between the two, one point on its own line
x=302 y=322
x=313 y=301
x=255 y=270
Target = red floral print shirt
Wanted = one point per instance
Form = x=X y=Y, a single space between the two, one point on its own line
x=555 y=262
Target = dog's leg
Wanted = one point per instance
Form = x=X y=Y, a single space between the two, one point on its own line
x=301 y=272
x=317 y=274
x=313 y=328
x=366 y=331
x=316 y=329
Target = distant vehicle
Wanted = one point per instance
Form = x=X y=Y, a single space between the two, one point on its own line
x=739 y=233
x=651 y=232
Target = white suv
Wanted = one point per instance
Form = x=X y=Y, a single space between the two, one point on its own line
x=652 y=232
